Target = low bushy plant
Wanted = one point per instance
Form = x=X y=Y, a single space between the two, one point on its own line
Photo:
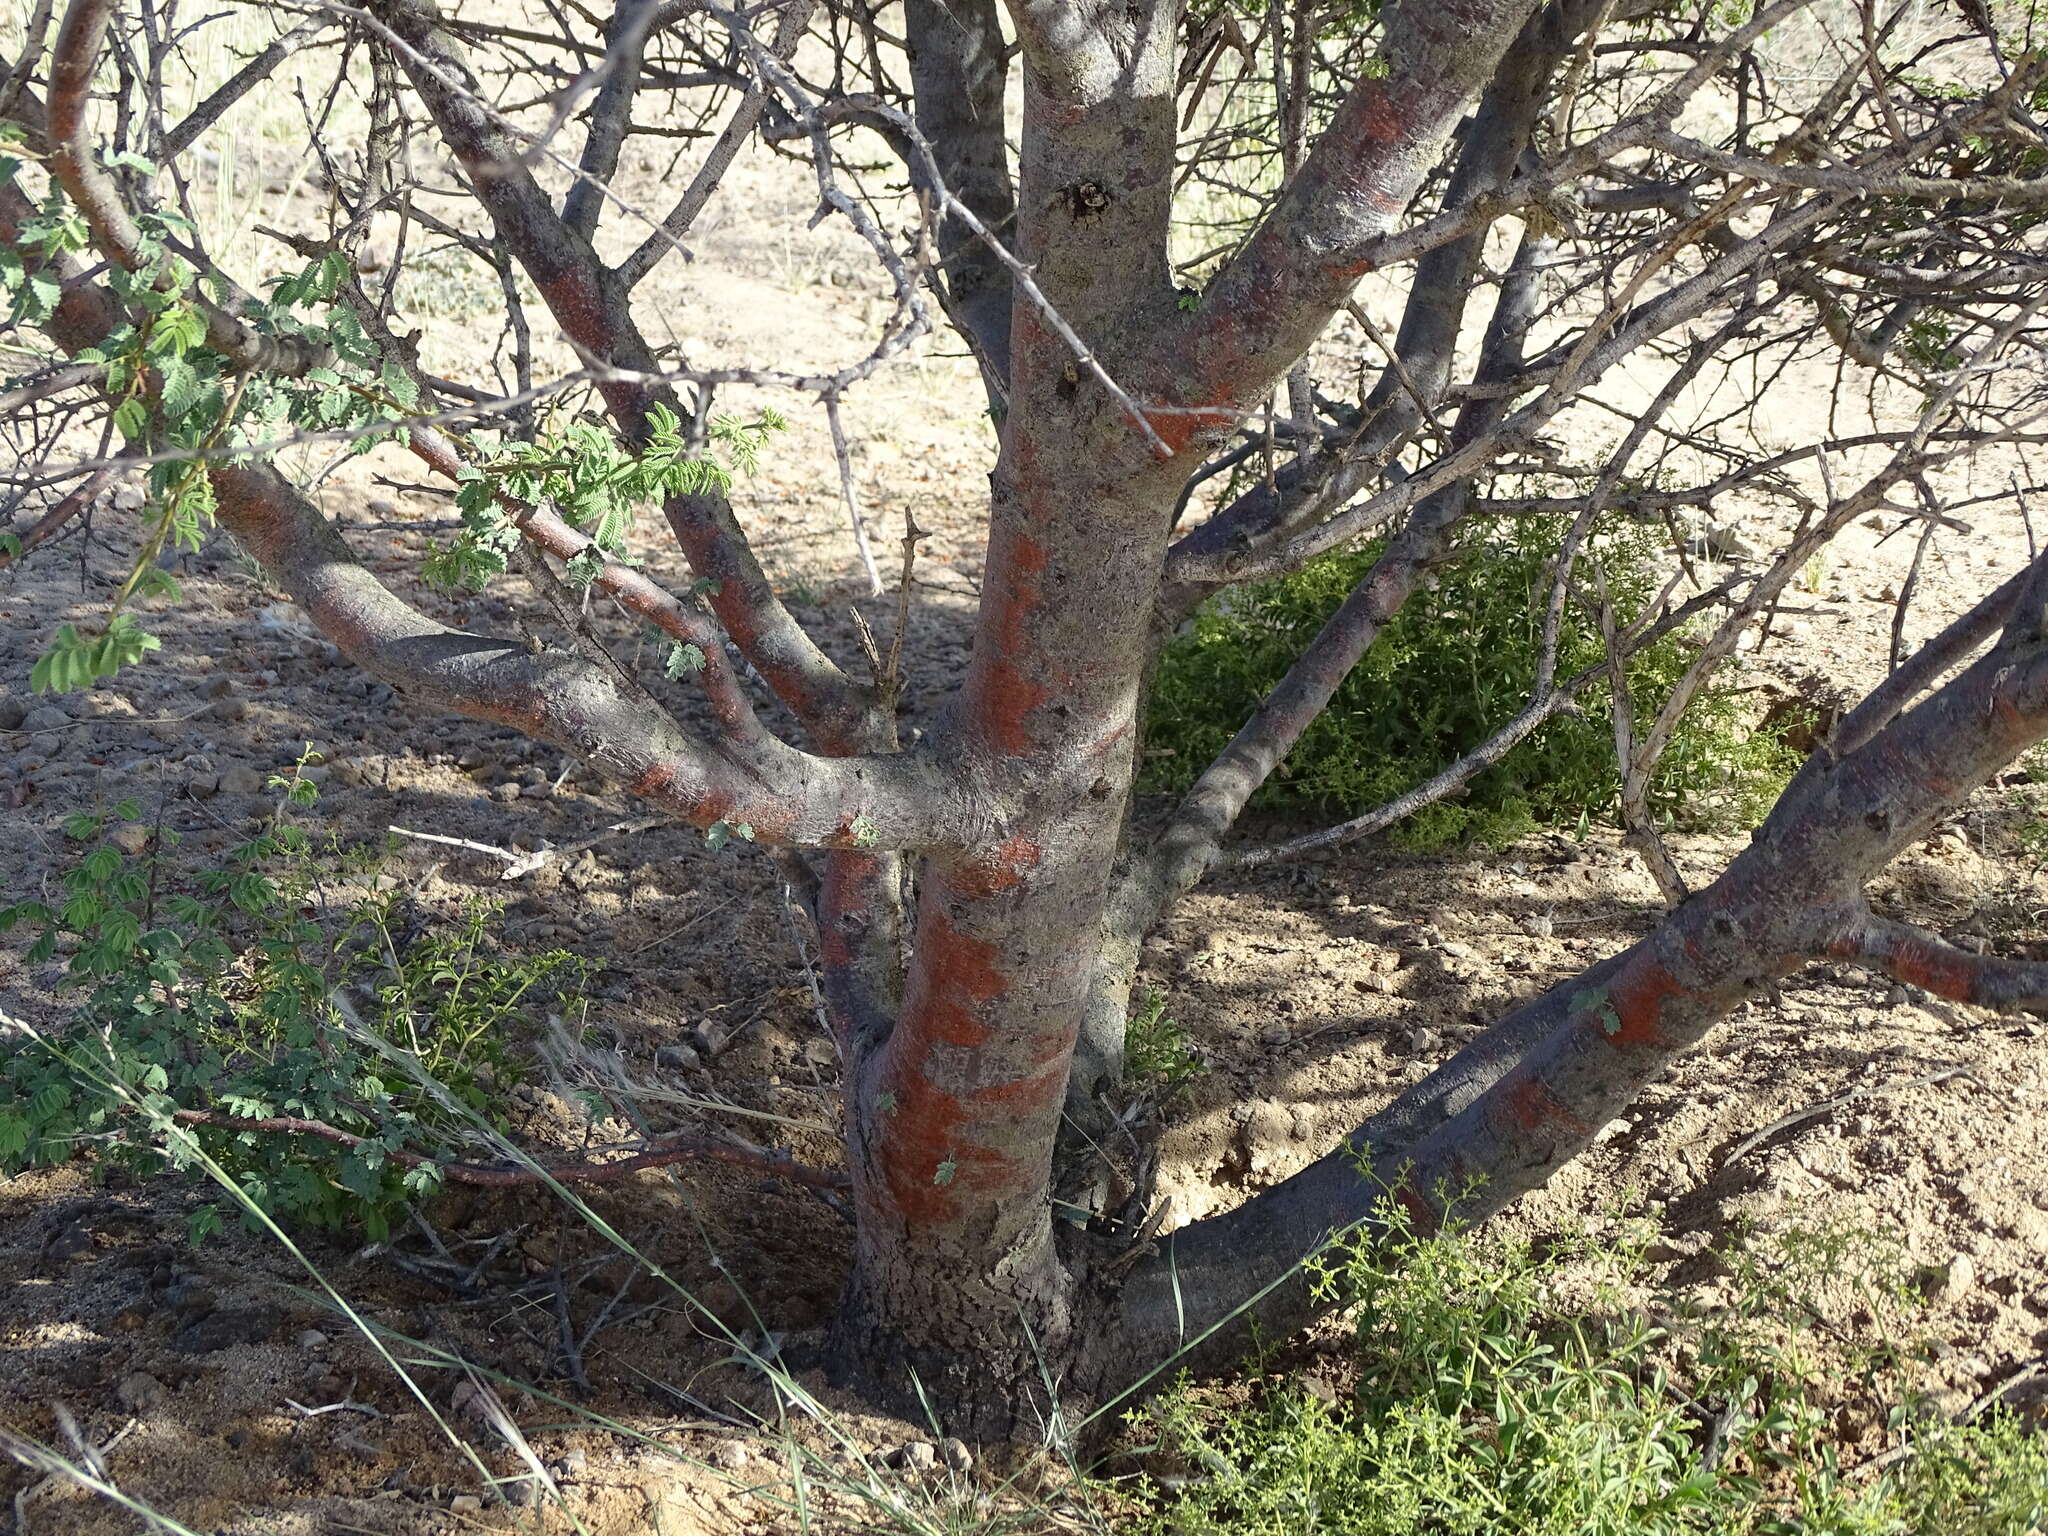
x=1506 y=1389
x=1454 y=665
x=217 y=992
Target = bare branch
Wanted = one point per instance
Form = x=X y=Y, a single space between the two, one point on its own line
x=958 y=69
x=74 y=58
x=1918 y=958
x=610 y=115
x=1265 y=308
x=789 y=31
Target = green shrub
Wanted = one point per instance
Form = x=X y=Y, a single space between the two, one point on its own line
x=1501 y=1394
x=1453 y=666
x=215 y=991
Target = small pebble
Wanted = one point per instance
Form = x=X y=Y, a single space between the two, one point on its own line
x=189 y=1293
x=1958 y=1280
x=916 y=1458
x=312 y=1338
x=224 y=1329
x=139 y=1392
x=677 y=1058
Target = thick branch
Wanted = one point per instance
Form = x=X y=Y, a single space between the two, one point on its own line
x=234 y=88
x=677 y=619
x=781 y=795
x=789 y=31
x=73 y=60
x=1421 y=356
x=1919 y=672
x=1584 y=1050
x=1920 y=959
x=1566 y=380
x=1212 y=806
x=44 y=528
x=1274 y=298
x=610 y=115
x=958 y=66
x=590 y=305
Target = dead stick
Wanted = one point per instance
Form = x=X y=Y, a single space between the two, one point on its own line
x=55 y=518
x=679 y=1148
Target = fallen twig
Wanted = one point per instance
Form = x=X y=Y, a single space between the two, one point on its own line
x=681 y=1147
x=1825 y=1106
x=518 y=865
x=40 y=1458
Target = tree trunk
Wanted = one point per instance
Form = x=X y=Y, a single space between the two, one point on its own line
x=958 y=1277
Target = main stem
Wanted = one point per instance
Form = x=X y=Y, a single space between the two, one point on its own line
x=958 y=1277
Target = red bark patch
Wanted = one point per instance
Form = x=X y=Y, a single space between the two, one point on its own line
x=989 y=870
x=1530 y=1105
x=956 y=974
x=1423 y=1217
x=1631 y=1014
x=1035 y=1089
x=1178 y=428
x=663 y=785
x=579 y=309
x=1012 y=693
x=1382 y=119
x=1945 y=973
x=845 y=895
x=927 y=1150
x=918 y=1147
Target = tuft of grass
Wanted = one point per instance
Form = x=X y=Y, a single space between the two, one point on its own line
x=1157 y=1050
x=1454 y=665
x=1509 y=1390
